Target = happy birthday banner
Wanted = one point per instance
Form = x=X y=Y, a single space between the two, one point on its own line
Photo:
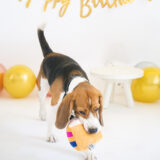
x=84 y=5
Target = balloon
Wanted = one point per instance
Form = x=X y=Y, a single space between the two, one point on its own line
x=19 y=81
x=2 y=71
x=147 y=88
x=1 y=81
x=145 y=64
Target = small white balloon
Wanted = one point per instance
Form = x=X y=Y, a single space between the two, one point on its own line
x=145 y=64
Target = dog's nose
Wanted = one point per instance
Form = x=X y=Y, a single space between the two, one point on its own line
x=92 y=130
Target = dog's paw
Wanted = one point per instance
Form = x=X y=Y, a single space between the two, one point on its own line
x=43 y=116
x=91 y=157
x=51 y=139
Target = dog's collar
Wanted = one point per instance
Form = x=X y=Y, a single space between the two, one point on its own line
x=73 y=83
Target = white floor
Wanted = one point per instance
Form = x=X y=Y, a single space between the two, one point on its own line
x=128 y=134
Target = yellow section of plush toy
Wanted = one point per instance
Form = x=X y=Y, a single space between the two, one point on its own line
x=82 y=138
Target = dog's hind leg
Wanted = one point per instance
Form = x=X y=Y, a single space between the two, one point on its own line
x=44 y=88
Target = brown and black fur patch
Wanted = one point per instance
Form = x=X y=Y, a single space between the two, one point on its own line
x=57 y=65
x=56 y=90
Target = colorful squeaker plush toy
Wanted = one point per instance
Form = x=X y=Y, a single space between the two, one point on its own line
x=79 y=138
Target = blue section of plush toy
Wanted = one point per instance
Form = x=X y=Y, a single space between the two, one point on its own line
x=73 y=144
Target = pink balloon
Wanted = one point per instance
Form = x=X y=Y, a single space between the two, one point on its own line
x=2 y=71
x=2 y=68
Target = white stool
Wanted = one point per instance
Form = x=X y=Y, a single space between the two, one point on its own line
x=118 y=74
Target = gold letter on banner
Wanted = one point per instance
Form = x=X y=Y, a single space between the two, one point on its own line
x=27 y=3
x=65 y=4
x=107 y=3
x=121 y=2
x=46 y=4
x=111 y=5
x=63 y=9
x=96 y=3
x=85 y=5
x=55 y=3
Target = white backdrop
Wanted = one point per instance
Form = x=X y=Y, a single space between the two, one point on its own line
x=129 y=33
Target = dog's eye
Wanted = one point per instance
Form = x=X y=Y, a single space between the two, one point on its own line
x=97 y=109
x=83 y=113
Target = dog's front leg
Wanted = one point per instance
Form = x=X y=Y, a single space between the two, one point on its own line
x=51 y=119
x=90 y=155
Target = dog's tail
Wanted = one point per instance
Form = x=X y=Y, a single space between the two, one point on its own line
x=42 y=40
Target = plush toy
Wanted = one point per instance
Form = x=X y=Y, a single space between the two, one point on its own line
x=79 y=138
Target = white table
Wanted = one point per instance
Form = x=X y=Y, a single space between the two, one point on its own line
x=118 y=74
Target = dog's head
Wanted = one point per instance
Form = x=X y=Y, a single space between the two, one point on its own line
x=86 y=102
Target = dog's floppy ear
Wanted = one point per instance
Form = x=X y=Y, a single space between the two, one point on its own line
x=100 y=110
x=96 y=98
x=64 y=111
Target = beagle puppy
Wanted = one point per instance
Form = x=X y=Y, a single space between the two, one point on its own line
x=71 y=92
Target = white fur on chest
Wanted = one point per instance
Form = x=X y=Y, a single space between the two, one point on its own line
x=75 y=82
x=53 y=109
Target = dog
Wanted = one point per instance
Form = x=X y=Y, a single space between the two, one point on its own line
x=71 y=93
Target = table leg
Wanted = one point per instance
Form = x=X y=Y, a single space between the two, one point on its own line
x=128 y=92
x=107 y=94
x=113 y=92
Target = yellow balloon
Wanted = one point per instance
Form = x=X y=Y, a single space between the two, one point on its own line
x=147 y=88
x=19 y=81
